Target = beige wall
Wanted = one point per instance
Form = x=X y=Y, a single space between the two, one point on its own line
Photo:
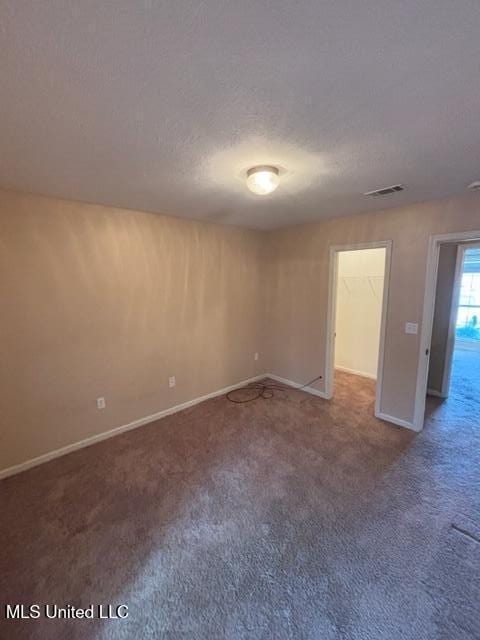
x=103 y=302
x=298 y=289
x=359 y=310
x=447 y=261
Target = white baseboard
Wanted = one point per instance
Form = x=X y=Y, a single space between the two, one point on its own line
x=437 y=394
x=321 y=394
x=396 y=421
x=356 y=373
x=51 y=455
x=297 y=385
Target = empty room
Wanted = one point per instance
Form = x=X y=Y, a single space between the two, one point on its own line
x=239 y=320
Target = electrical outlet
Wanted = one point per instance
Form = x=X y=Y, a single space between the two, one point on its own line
x=255 y=356
x=101 y=404
x=171 y=381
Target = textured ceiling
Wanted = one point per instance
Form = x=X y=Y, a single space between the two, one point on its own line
x=163 y=105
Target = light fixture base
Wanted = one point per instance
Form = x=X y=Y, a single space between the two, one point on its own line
x=263 y=179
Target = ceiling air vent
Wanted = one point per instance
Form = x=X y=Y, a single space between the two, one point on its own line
x=386 y=191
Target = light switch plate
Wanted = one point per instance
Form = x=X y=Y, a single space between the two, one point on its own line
x=411 y=327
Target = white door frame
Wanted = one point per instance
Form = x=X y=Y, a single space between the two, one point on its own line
x=447 y=364
x=332 y=307
x=427 y=316
x=449 y=349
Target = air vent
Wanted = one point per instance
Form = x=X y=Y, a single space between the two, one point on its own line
x=386 y=191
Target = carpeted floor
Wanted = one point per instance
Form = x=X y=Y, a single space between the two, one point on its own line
x=286 y=518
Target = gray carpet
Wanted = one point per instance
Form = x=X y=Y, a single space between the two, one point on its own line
x=454 y=581
x=285 y=518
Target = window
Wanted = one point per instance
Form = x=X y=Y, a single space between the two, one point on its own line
x=468 y=316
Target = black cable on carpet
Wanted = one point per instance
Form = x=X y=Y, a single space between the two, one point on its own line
x=265 y=390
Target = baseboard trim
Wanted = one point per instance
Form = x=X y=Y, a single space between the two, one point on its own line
x=111 y=433
x=354 y=372
x=321 y=394
x=297 y=385
x=397 y=421
x=105 y=435
x=436 y=394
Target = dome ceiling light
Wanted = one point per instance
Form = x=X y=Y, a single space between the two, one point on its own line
x=263 y=179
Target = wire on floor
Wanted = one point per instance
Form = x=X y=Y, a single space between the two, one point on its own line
x=264 y=390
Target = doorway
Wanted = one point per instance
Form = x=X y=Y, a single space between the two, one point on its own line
x=455 y=343
x=450 y=368
x=454 y=367
x=358 y=296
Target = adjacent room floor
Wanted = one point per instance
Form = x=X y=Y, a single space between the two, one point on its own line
x=463 y=402
x=286 y=518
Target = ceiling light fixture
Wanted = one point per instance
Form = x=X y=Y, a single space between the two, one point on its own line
x=263 y=179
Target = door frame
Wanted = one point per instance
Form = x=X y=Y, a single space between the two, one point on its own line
x=450 y=346
x=431 y=274
x=331 y=315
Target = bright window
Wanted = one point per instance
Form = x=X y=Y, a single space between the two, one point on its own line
x=468 y=316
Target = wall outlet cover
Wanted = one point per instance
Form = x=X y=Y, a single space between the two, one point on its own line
x=171 y=381
x=411 y=328
x=101 y=404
